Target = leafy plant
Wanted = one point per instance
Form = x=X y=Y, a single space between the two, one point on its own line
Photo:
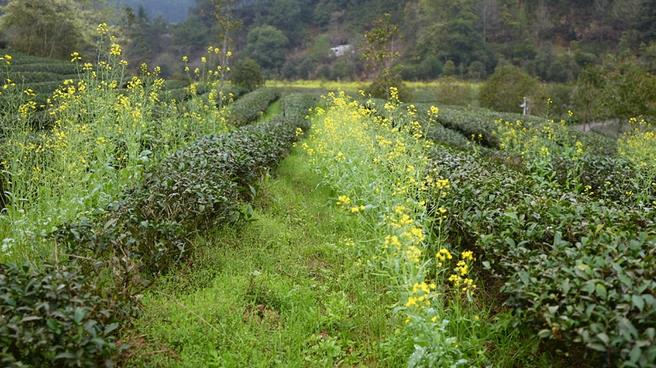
x=581 y=270
x=247 y=74
x=52 y=317
x=250 y=107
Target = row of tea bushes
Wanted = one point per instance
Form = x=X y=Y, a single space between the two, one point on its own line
x=581 y=270
x=56 y=316
x=252 y=105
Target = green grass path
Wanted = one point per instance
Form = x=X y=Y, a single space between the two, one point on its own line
x=271 y=111
x=284 y=290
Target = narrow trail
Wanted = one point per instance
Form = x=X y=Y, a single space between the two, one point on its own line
x=284 y=290
x=588 y=127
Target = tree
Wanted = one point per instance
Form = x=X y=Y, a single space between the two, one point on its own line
x=630 y=91
x=247 y=74
x=51 y=28
x=449 y=69
x=476 y=70
x=381 y=55
x=266 y=45
x=506 y=89
x=379 y=50
x=588 y=94
x=282 y=14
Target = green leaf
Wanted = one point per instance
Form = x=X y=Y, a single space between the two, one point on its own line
x=597 y=347
x=79 y=314
x=601 y=292
x=638 y=302
x=603 y=337
x=635 y=354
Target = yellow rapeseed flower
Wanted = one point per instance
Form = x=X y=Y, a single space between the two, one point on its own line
x=467 y=255
x=115 y=50
x=343 y=200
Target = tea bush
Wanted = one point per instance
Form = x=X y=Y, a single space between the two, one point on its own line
x=57 y=68
x=52 y=317
x=251 y=106
x=194 y=188
x=36 y=77
x=582 y=270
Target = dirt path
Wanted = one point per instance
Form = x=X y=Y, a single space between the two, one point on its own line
x=588 y=127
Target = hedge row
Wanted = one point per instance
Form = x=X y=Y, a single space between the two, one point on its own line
x=192 y=190
x=18 y=58
x=251 y=106
x=53 y=317
x=56 y=68
x=582 y=270
x=175 y=92
x=144 y=234
x=40 y=77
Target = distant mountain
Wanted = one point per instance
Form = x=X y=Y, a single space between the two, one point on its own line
x=172 y=10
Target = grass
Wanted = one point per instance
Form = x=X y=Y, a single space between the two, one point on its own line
x=271 y=111
x=286 y=290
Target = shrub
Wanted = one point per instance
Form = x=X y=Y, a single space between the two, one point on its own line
x=506 y=89
x=31 y=77
x=581 y=270
x=247 y=74
x=437 y=132
x=57 y=68
x=380 y=88
x=250 y=107
x=194 y=189
x=479 y=124
x=51 y=317
x=449 y=69
x=553 y=101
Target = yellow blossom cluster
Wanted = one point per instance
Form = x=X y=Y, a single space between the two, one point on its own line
x=420 y=294
x=6 y=59
x=75 y=57
x=460 y=277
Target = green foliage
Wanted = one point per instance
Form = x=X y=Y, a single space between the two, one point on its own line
x=195 y=188
x=449 y=68
x=506 y=89
x=313 y=305
x=451 y=91
x=581 y=270
x=438 y=133
x=553 y=101
x=478 y=124
x=379 y=51
x=247 y=74
x=380 y=87
x=476 y=70
x=51 y=28
x=629 y=90
x=56 y=68
x=251 y=106
x=266 y=45
x=53 y=317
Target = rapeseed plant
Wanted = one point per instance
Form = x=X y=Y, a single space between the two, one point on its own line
x=383 y=163
x=101 y=140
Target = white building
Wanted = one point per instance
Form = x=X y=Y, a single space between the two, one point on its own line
x=341 y=50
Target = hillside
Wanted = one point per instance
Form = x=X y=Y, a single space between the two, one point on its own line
x=551 y=40
x=172 y=11
x=292 y=39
